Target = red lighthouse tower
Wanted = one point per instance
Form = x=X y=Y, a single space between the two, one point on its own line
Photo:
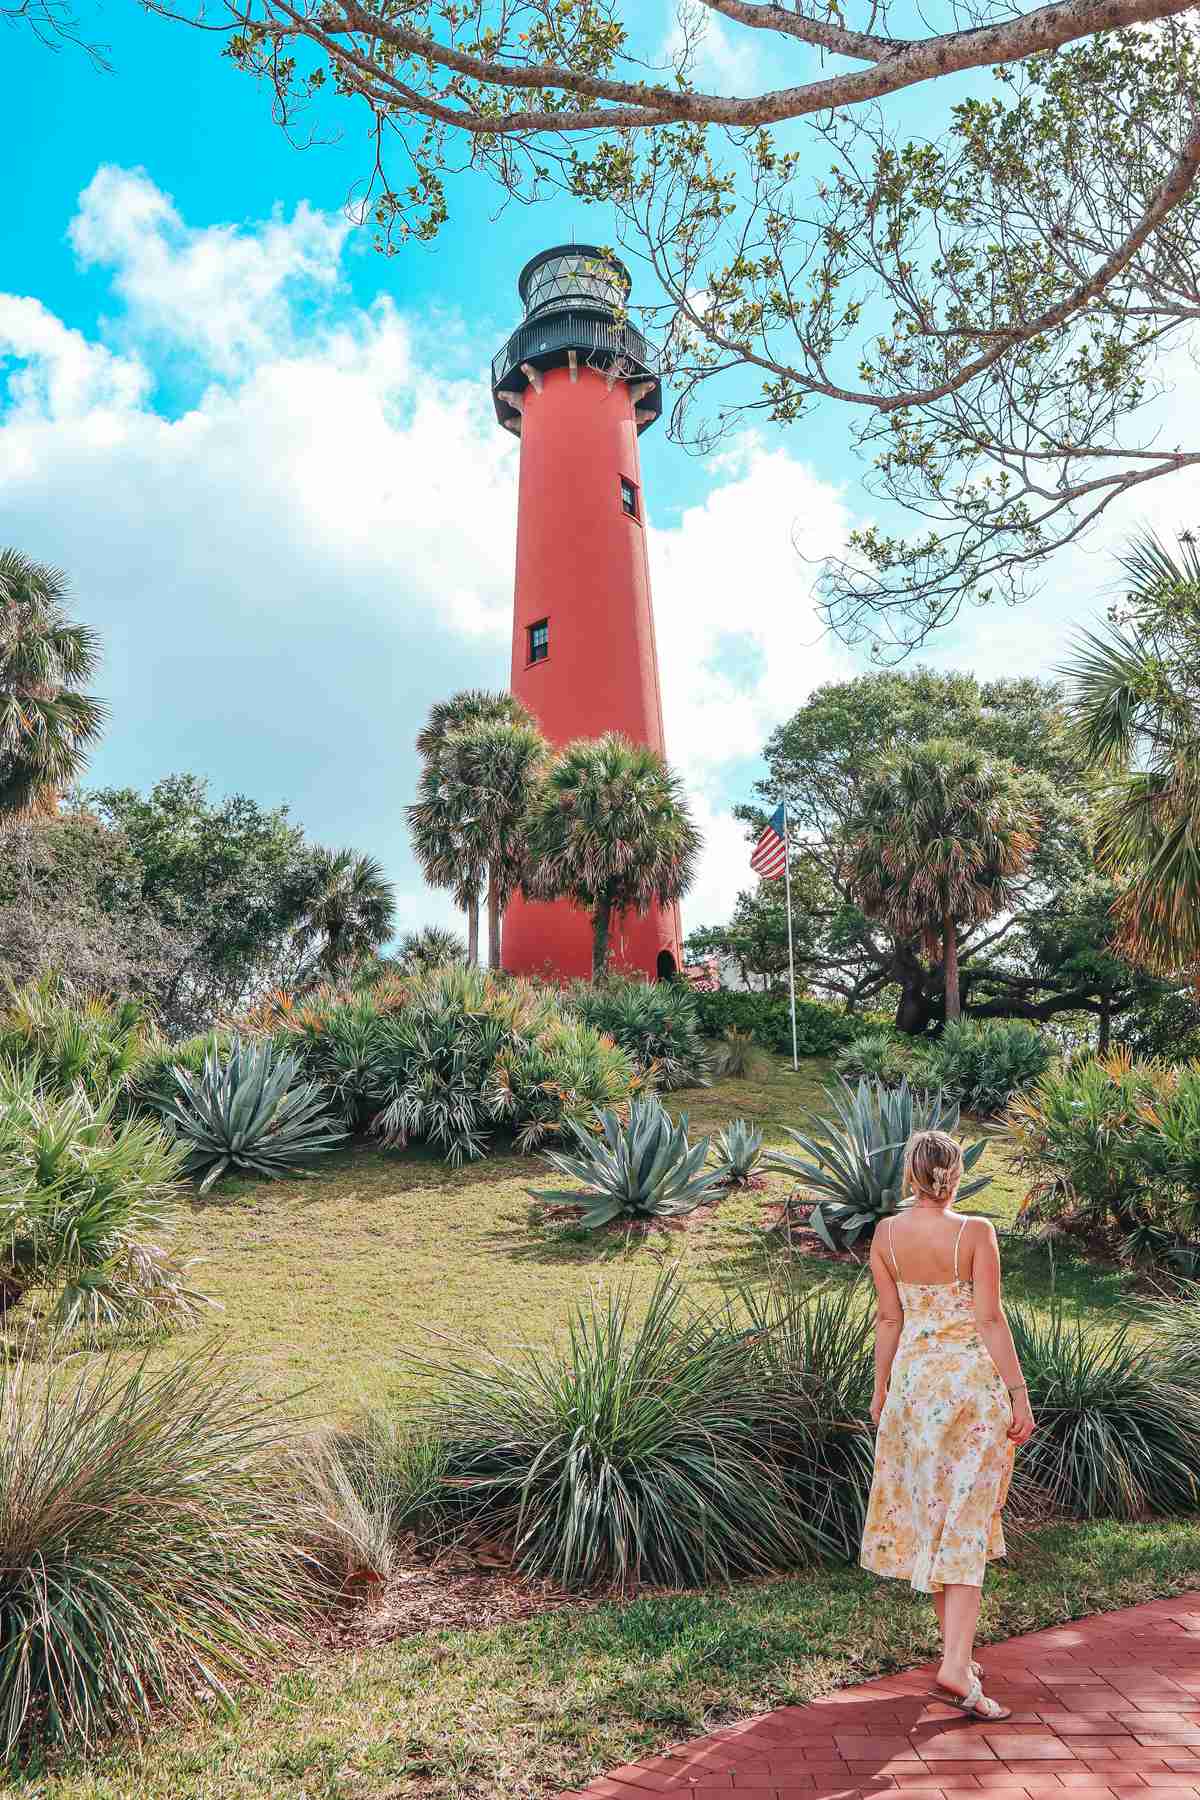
x=578 y=384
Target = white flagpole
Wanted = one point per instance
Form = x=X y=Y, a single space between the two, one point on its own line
x=787 y=882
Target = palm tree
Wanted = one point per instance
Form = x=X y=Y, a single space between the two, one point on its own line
x=429 y=948
x=1134 y=696
x=609 y=828
x=450 y=835
x=349 y=913
x=942 y=831
x=46 y=722
x=496 y=764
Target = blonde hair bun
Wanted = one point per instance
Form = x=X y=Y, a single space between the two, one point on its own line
x=935 y=1163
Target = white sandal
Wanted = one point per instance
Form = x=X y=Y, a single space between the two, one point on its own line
x=973 y=1702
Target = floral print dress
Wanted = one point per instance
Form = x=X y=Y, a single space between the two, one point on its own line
x=943 y=1460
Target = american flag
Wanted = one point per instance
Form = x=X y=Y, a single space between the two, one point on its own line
x=769 y=856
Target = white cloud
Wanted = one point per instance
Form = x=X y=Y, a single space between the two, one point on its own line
x=726 y=61
x=220 y=293
x=287 y=574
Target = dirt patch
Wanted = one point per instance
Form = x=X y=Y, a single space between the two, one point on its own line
x=465 y=1589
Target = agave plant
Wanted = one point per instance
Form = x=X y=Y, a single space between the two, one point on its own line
x=854 y=1160
x=739 y=1149
x=639 y=1170
x=249 y=1111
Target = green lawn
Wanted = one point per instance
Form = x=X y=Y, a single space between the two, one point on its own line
x=322 y=1283
x=523 y=1711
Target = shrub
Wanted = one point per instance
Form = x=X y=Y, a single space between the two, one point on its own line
x=737 y=1055
x=854 y=1159
x=640 y=1170
x=819 y=1356
x=144 y=1552
x=1112 y=1143
x=820 y=1029
x=69 y=1037
x=655 y=1023
x=152 y=1081
x=83 y=1205
x=1118 y=1429
x=986 y=1063
x=879 y=1055
x=566 y=1073
x=248 y=1111
x=435 y=1057
x=446 y=1057
x=639 y=1452
x=739 y=1151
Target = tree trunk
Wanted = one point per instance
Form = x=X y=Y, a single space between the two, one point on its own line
x=473 y=931
x=950 y=968
x=601 y=919
x=913 y=1010
x=1105 y=1043
x=493 y=909
x=12 y=1292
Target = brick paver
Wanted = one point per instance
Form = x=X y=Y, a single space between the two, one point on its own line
x=1107 y=1709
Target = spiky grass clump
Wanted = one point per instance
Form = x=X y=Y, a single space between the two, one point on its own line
x=1118 y=1420
x=817 y=1354
x=145 y=1544
x=639 y=1452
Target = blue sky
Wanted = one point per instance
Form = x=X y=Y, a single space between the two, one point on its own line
x=267 y=458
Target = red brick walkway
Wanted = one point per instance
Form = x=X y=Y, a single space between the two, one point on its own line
x=1108 y=1707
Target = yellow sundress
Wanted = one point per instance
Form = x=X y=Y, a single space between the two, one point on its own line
x=943 y=1459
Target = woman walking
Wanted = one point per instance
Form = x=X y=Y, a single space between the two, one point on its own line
x=950 y=1407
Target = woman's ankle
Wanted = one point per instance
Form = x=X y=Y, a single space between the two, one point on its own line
x=955 y=1675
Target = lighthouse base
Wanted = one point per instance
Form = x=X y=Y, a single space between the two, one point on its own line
x=552 y=941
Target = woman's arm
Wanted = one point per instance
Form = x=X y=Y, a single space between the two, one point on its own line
x=992 y=1325
x=889 y=1320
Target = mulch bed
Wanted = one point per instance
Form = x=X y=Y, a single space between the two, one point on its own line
x=457 y=1591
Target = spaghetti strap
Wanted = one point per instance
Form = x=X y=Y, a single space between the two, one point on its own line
x=892 y=1247
x=957 y=1242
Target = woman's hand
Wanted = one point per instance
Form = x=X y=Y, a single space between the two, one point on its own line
x=1022 y=1427
x=878 y=1402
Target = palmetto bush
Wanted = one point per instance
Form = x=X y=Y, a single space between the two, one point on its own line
x=656 y=1023
x=67 y=1037
x=640 y=1451
x=1118 y=1419
x=879 y=1055
x=448 y=1057
x=85 y=1204
x=567 y=1072
x=1114 y=1144
x=985 y=1063
x=437 y=1054
x=853 y=1155
x=145 y=1543
x=637 y=1170
x=249 y=1111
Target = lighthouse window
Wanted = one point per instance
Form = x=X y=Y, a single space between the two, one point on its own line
x=539 y=641
x=629 y=498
